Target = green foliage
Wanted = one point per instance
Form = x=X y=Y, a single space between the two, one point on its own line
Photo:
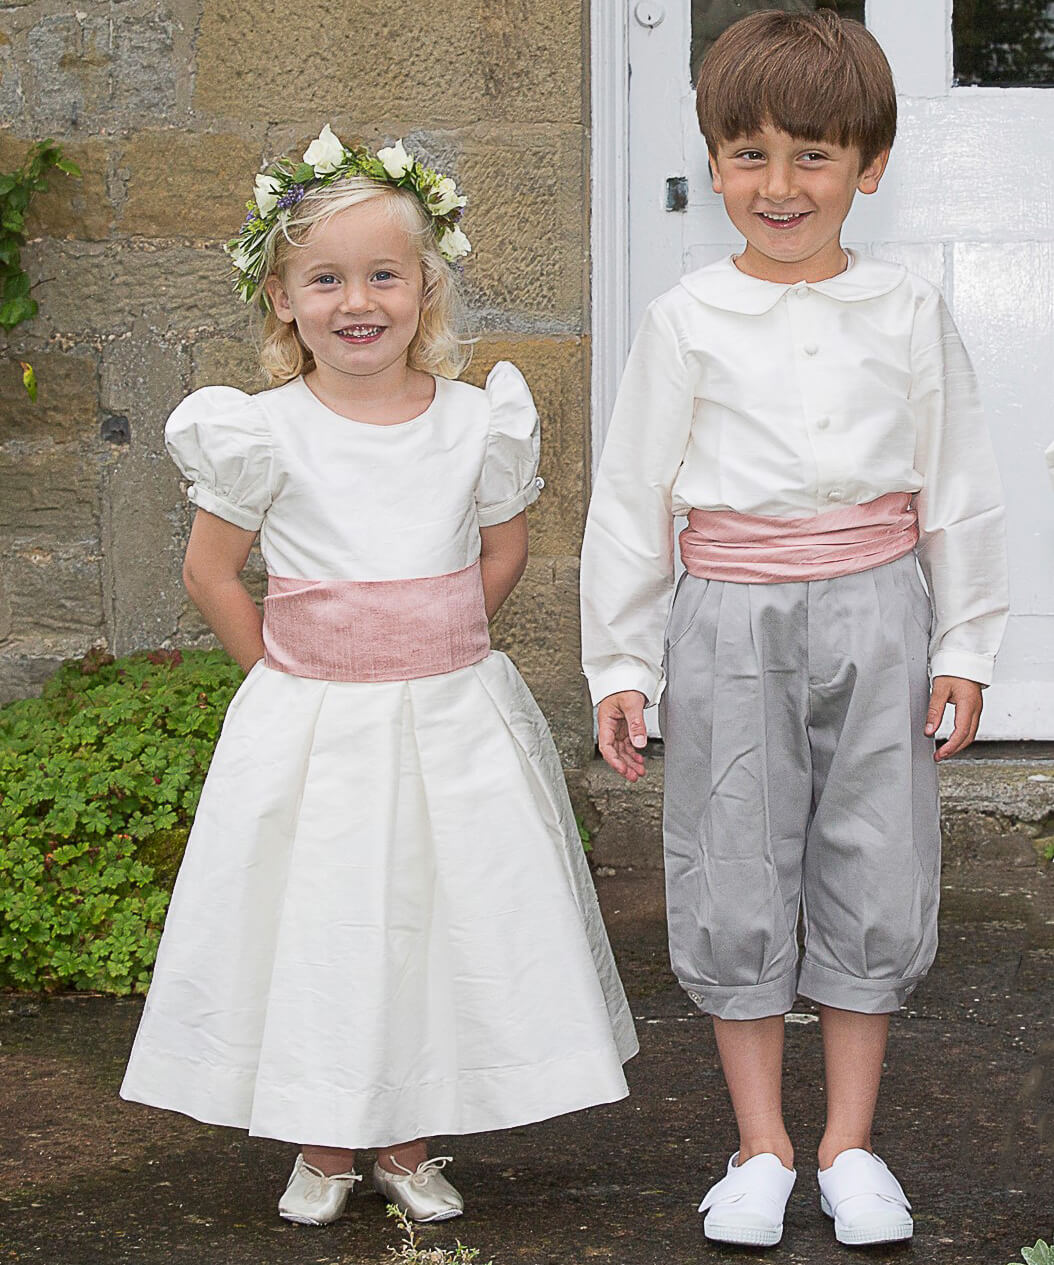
x=99 y=779
x=1041 y=1254
x=410 y=1252
x=584 y=835
x=16 y=192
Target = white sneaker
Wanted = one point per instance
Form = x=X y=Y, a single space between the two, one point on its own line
x=423 y=1193
x=866 y=1201
x=746 y=1206
x=312 y=1198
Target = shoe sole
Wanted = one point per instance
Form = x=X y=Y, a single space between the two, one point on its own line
x=744 y=1236
x=894 y=1232
x=291 y=1216
x=439 y=1216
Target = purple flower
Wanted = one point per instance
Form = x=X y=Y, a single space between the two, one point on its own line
x=291 y=197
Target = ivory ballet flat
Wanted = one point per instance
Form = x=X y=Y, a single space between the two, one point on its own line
x=746 y=1206
x=423 y=1193
x=865 y=1200
x=313 y=1198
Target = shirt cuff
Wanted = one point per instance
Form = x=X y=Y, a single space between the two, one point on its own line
x=631 y=675
x=200 y=496
x=492 y=515
x=971 y=667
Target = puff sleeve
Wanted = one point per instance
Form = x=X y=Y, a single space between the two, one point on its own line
x=220 y=439
x=509 y=482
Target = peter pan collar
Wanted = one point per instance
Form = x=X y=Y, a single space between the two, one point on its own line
x=722 y=285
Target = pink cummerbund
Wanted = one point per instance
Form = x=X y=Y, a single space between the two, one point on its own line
x=375 y=630
x=756 y=549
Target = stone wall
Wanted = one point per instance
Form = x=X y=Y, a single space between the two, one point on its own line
x=170 y=107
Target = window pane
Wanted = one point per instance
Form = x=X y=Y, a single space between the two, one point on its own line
x=710 y=17
x=1004 y=43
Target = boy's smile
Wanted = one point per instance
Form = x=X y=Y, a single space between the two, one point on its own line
x=789 y=199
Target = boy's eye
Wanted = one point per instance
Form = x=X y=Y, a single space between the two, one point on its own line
x=752 y=155
x=814 y=155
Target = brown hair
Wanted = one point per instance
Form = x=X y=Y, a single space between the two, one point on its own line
x=815 y=76
x=437 y=347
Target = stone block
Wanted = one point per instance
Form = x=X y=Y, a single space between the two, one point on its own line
x=68 y=69
x=538 y=628
x=529 y=265
x=187 y=184
x=91 y=290
x=557 y=371
x=55 y=590
x=142 y=550
x=11 y=104
x=520 y=60
x=71 y=206
x=65 y=407
x=24 y=667
x=143 y=381
x=49 y=488
x=227 y=362
x=145 y=68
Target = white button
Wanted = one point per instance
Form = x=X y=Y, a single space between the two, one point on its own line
x=834 y=495
x=539 y=483
x=801 y=290
x=810 y=349
x=822 y=423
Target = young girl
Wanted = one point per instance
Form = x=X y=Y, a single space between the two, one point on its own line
x=813 y=413
x=384 y=927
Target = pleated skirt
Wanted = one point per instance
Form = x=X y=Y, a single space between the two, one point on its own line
x=384 y=927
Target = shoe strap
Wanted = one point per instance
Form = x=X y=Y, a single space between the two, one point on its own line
x=347 y=1179
x=421 y=1175
x=857 y=1172
x=771 y=1184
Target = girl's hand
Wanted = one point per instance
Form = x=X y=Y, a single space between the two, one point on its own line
x=621 y=732
x=965 y=698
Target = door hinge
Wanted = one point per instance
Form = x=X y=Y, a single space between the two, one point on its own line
x=677 y=193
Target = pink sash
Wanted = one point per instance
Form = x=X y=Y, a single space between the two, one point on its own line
x=756 y=549
x=375 y=630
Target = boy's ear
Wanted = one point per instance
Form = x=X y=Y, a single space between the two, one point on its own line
x=715 y=174
x=872 y=173
x=279 y=300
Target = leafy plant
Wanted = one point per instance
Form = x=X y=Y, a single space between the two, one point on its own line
x=1041 y=1254
x=16 y=192
x=410 y=1252
x=99 y=779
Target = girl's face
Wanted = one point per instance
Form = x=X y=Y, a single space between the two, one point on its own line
x=789 y=198
x=354 y=290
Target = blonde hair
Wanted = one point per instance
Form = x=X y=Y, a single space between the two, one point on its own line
x=437 y=347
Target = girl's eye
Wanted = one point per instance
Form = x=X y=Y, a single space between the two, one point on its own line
x=326 y=279
x=383 y=275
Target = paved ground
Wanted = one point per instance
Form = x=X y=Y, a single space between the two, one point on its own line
x=967 y=1120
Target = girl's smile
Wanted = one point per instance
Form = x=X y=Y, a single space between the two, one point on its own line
x=789 y=199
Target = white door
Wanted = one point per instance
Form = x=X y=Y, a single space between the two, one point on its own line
x=968 y=201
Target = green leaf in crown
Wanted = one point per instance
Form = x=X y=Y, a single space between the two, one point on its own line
x=282 y=184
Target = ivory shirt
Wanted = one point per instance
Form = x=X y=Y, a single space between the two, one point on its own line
x=790 y=400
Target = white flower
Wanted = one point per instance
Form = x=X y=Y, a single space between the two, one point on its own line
x=397 y=162
x=266 y=190
x=239 y=258
x=454 y=244
x=444 y=197
x=326 y=153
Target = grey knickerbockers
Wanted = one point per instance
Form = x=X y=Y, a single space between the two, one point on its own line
x=798 y=773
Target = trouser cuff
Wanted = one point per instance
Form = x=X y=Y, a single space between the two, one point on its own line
x=744 y=1001
x=849 y=992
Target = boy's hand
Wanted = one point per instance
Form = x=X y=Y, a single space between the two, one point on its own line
x=621 y=732
x=965 y=698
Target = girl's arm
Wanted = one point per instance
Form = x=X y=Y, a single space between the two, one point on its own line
x=502 y=558
x=216 y=554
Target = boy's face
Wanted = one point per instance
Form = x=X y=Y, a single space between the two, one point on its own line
x=789 y=198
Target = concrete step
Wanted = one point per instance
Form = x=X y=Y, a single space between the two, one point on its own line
x=997 y=804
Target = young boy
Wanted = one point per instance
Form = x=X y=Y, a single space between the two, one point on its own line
x=814 y=414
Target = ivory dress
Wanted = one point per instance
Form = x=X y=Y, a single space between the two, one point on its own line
x=384 y=927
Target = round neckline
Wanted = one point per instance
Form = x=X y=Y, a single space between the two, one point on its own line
x=379 y=426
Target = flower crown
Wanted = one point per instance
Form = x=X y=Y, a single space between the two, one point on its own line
x=281 y=185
